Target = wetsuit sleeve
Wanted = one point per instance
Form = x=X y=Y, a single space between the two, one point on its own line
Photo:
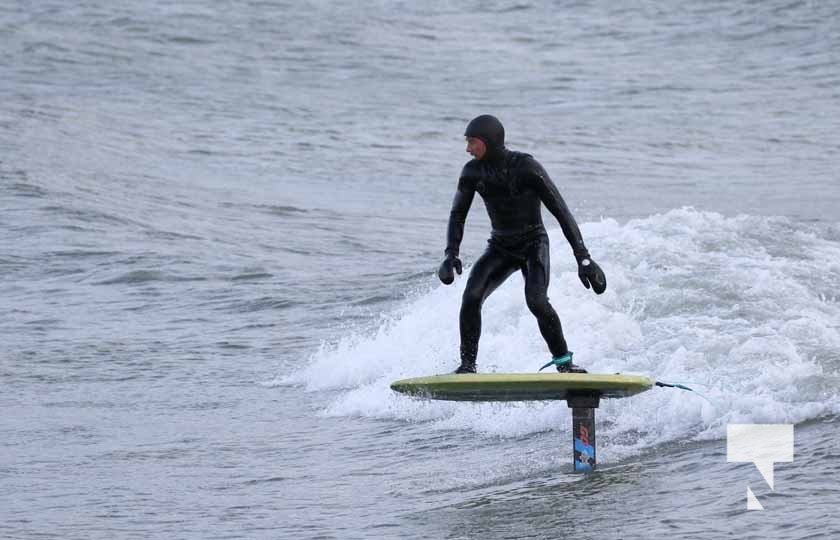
x=458 y=215
x=551 y=198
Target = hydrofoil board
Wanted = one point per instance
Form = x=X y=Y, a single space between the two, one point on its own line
x=522 y=386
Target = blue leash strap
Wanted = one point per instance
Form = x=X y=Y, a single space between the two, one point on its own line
x=674 y=385
x=559 y=360
x=683 y=387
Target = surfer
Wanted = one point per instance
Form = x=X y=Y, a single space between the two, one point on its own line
x=513 y=186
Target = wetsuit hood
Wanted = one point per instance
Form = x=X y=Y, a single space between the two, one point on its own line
x=491 y=132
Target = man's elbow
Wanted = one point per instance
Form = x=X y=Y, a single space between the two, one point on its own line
x=457 y=216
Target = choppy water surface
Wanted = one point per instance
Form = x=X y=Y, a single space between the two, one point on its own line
x=219 y=230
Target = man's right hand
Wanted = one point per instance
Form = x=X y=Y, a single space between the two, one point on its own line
x=448 y=267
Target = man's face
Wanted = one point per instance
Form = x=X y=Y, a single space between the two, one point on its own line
x=476 y=147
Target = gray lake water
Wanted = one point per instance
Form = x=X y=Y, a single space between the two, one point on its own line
x=220 y=224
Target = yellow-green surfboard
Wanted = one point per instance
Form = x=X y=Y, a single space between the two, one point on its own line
x=521 y=386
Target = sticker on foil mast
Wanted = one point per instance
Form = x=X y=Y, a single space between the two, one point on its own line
x=583 y=432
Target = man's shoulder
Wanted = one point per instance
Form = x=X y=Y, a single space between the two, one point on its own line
x=471 y=170
x=524 y=163
x=514 y=156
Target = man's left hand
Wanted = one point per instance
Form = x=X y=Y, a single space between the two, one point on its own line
x=590 y=274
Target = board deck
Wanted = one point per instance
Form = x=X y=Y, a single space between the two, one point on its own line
x=522 y=386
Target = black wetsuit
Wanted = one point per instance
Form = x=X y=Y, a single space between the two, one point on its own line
x=513 y=186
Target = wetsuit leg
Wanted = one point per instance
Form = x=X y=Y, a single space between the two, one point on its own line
x=536 y=274
x=489 y=271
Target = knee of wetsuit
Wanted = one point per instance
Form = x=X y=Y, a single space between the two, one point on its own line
x=537 y=303
x=473 y=297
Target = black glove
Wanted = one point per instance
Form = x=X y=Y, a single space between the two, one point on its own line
x=445 y=272
x=591 y=274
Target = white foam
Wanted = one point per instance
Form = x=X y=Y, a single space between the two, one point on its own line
x=741 y=307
